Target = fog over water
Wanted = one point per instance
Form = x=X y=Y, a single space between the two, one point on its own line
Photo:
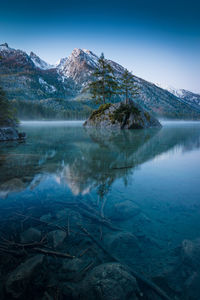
x=28 y=123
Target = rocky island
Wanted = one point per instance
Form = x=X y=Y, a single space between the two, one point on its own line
x=9 y=131
x=121 y=116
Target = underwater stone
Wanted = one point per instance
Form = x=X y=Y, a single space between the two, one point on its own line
x=19 y=279
x=109 y=281
x=184 y=277
x=45 y=218
x=30 y=235
x=72 y=267
x=190 y=253
x=57 y=237
x=124 y=242
x=124 y=210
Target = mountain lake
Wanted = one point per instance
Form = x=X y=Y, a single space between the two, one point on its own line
x=131 y=196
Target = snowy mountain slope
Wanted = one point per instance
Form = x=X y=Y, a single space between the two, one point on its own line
x=22 y=79
x=14 y=58
x=191 y=98
x=188 y=97
x=78 y=65
x=27 y=77
x=39 y=63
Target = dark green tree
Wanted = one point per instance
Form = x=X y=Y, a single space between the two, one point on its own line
x=7 y=113
x=103 y=85
x=127 y=86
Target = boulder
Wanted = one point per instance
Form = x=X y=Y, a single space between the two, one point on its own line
x=124 y=242
x=71 y=268
x=11 y=134
x=121 y=116
x=184 y=278
x=20 y=278
x=30 y=235
x=46 y=218
x=57 y=237
x=124 y=210
x=8 y=134
x=190 y=253
x=109 y=281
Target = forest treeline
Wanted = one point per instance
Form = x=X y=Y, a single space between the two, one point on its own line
x=37 y=110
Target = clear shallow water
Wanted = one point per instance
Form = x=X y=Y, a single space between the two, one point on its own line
x=145 y=182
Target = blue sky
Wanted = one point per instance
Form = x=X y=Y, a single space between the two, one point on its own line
x=157 y=40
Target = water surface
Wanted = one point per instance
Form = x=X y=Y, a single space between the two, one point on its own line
x=145 y=182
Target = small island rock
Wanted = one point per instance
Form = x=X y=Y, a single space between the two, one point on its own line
x=9 y=132
x=121 y=116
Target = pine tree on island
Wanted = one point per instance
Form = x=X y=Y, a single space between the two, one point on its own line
x=128 y=115
x=104 y=84
x=127 y=86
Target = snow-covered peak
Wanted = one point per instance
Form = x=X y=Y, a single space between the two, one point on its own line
x=5 y=47
x=186 y=96
x=76 y=52
x=88 y=52
x=39 y=63
x=20 y=57
x=85 y=55
x=61 y=63
x=176 y=92
x=78 y=64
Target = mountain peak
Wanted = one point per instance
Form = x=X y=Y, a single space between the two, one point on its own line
x=4 y=45
x=77 y=52
x=32 y=54
x=39 y=63
x=78 y=65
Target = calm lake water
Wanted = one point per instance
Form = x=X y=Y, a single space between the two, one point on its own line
x=137 y=192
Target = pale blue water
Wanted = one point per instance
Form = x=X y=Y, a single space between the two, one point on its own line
x=157 y=171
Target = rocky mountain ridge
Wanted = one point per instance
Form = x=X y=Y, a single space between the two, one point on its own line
x=39 y=63
x=187 y=96
x=29 y=78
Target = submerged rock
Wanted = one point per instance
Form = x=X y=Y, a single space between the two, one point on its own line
x=190 y=253
x=184 y=278
x=70 y=268
x=18 y=280
x=109 y=281
x=124 y=242
x=124 y=210
x=30 y=235
x=57 y=237
x=46 y=218
x=121 y=116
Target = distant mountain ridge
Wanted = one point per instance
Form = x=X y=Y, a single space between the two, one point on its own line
x=29 y=78
x=189 y=97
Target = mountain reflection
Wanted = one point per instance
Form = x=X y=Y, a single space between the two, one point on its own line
x=86 y=159
x=109 y=156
